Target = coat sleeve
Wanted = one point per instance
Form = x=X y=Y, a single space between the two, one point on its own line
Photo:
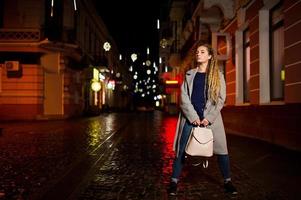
x=216 y=109
x=185 y=104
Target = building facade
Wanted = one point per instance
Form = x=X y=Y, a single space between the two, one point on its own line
x=49 y=51
x=257 y=44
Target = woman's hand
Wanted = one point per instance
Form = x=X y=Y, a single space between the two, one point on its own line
x=197 y=122
x=205 y=122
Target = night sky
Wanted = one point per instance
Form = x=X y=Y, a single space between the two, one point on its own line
x=133 y=23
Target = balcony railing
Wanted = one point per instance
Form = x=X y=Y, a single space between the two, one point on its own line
x=20 y=35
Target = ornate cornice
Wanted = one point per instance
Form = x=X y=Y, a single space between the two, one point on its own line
x=227 y=6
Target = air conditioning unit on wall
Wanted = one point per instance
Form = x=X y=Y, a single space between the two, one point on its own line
x=12 y=65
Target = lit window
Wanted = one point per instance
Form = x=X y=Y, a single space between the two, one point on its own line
x=246 y=65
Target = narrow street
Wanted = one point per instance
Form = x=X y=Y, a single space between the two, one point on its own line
x=90 y=91
x=129 y=156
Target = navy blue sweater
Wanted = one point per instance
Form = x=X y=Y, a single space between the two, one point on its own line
x=198 y=94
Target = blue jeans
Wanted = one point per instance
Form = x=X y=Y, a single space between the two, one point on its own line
x=223 y=160
x=179 y=160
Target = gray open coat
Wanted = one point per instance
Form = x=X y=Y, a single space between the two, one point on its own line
x=211 y=113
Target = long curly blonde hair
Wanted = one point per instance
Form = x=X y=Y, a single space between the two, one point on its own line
x=213 y=78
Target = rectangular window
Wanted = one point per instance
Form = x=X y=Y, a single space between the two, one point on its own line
x=246 y=65
x=277 y=54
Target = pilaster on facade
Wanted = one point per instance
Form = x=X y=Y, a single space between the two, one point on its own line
x=262 y=59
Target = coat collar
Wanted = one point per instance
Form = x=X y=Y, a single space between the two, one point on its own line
x=189 y=78
x=191 y=73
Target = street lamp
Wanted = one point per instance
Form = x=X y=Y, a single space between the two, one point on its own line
x=148 y=63
x=163 y=43
x=134 y=57
x=95 y=86
x=107 y=46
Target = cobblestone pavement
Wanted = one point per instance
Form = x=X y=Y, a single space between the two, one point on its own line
x=139 y=167
x=34 y=156
x=129 y=156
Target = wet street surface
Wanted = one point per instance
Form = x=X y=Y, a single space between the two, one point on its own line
x=129 y=156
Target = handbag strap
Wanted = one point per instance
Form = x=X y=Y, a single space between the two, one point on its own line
x=197 y=139
x=204 y=162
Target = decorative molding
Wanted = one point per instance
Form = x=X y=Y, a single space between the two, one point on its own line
x=269 y=4
x=19 y=35
x=227 y=6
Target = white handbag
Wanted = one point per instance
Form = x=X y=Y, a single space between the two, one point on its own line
x=200 y=142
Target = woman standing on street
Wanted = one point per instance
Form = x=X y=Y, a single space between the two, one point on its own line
x=203 y=94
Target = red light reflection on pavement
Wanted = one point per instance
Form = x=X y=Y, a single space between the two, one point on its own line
x=168 y=129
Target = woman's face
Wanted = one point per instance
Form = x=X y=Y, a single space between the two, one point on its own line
x=202 y=54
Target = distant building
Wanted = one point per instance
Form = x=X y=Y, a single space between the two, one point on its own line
x=49 y=52
x=257 y=44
